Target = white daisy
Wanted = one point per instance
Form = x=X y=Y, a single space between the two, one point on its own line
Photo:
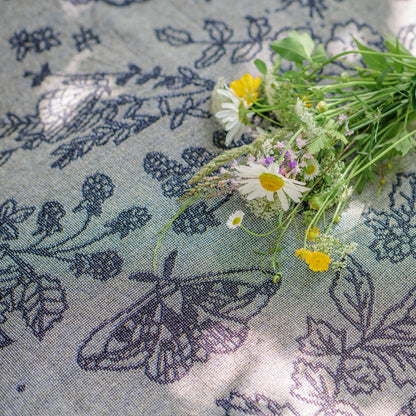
x=260 y=181
x=235 y=219
x=312 y=169
x=231 y=116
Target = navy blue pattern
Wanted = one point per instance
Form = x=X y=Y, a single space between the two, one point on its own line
x=38 y=77
x=39 y=297
x=85 y=39
x=317 y=7
x=407 y=36
x=314 y=384
x=116 y=3
x=362 y=354
x=409 y=409
x=221 y=38
x=80 y=115
x=21 y=388
x=175 y=322
x=37 y=41
x=260 y=405
x=342 y=39
x=218 y=140
x=395 y=231
x=174 y=177
x=311 y=388
x=180 y=322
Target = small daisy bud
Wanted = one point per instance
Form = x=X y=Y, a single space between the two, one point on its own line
x=322 y=106
x=316 y=202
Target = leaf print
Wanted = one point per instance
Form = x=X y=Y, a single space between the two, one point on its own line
x=361 y=375
x=316 y=385
x=393 y=340
x=218 y=31
x=44 y=304
x=10 y=215
x=240 y=404
x=395 y=231
x=403 y=193
x=245 y=52
x=211 y=55
x=173 y=36
x=352 y=291
x=322 y=339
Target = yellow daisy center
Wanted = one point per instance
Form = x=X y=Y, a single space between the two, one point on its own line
x=310 y=169
x=236 y=220
x=270 y=182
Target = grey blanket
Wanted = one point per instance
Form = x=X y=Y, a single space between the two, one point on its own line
x=104 y=116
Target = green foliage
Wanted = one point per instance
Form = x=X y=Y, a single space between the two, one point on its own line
x=319 y=143
x=299 y=47
x=368 y=117
x=261 y=66
x=374 y=60
x=406 y=145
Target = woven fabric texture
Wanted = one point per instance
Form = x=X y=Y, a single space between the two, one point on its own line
x=104 y=116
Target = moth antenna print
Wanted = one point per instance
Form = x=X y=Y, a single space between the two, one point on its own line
x=180 y=322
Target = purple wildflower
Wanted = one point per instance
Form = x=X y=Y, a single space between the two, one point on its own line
x=268 y=160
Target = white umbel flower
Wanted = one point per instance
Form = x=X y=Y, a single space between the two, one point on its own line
x=230 y=117
x=235 y=219
x=258 y=181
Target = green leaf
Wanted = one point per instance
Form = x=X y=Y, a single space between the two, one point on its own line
x=376 y=61
x=406 y=145
x=365 y=176
x=277 y=63
x=261 y=66
x=297 y=47
x=412 y=93
x=394 y=46
x=382 y=76
x=319 y=56
x=319 y=143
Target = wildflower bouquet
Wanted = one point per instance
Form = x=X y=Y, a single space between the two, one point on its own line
x=318 y=137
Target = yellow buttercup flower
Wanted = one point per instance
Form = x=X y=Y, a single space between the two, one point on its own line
x=246 y=88
x=317 y=261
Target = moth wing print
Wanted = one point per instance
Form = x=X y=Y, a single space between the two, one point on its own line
x=177 y=324
x=208 y=314
x=224 y=303
x=124 y=342
x=237 y=295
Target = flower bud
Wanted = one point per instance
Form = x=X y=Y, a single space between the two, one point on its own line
x=316 y=202
x=276 y=278
x=322 y=106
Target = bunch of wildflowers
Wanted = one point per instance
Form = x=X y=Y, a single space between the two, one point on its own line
x=316 y=142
